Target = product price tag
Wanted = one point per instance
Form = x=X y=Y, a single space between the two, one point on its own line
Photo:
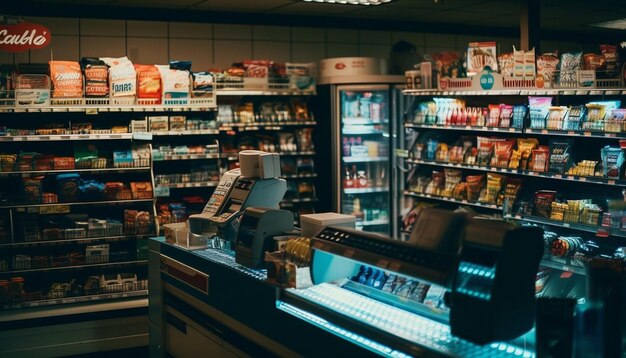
x=611 y=182
x=571 y=132
x=609 y=135
x=485 y=128
x=402 y=153
x=524 y=93
x=55 y=209
x=126 y=109
x=544 y=131
x=91 y=111
x=464 y=201
x=571 y=177
x=558 y=176
x=582 y=179
x=581 y=92
x=46 y=110
x=496 y=129
x=595 y=93
x=103 y=109
x=569 y=92
x=566 y=224
x=612 y=92
x=541 y=93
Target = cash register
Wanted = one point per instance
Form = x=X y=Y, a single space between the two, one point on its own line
x=458 y=287
x=255 y=184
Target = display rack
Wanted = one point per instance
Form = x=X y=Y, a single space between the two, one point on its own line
x=598 y=187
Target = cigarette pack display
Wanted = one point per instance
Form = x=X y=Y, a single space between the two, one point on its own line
x=139 y=125
x=177 y=123
x=158 y=123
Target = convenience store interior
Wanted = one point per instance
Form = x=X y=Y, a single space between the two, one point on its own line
x=219 y=35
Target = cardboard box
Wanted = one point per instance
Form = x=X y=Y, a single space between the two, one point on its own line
x=311 y=224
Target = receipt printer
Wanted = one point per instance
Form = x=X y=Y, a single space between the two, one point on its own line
x=257 y=228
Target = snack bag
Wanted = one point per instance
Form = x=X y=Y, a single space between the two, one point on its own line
x=96 y=77
x=202 y=84
x=122 y=76
x=67 y=79
x=494 y=186
x=505 y=61
x=547 y=66
x=560 y=155
x=611 y=60
x=612 y=162
x=592 y=61
x=570 y=64
x=539 y=107
x=148 y=82
x=518 y=63
x=175 y=83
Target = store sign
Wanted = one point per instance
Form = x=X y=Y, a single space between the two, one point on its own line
x=23 y=36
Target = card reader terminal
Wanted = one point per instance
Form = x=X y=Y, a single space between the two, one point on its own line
x=226 y=184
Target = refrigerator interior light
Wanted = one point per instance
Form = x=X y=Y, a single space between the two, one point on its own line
x=619 y=24
x=352 y=2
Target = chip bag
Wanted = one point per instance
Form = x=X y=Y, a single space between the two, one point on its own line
x=67 y=79
x=148 y=82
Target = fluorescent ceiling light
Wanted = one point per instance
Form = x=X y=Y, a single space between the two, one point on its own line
x=619 y=24
x=351 y=2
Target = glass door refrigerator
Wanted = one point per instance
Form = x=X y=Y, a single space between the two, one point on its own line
x=362 y=131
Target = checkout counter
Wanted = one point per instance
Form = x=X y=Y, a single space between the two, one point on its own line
x=459 y=287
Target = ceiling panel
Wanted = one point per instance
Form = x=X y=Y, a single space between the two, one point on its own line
x=178 y=4
x=406 y=14
x=312 y=8
x=239 y=5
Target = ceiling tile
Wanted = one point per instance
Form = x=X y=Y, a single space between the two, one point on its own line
x=310 y=8
x=178 y=4
x=240 y=5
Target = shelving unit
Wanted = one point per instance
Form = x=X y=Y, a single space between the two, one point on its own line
x=273 y=121
x=576 y=186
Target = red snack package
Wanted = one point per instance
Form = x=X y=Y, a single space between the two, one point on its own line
x=67 y=78
x=148 y=82
x=611 y=59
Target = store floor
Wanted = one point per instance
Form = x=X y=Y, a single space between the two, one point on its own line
x=137 y=352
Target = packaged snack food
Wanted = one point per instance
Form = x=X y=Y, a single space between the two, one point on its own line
x=180 y=65
x=560 y=158
x=574 y=116
x=175 y=83
x=485 y=150
x=32 y=187
x=67 y=187
x=570 y=64
x=441 y=155
x=148 y=82
x=502 y=153
x=301 y=75
x=67 y=79
x=481 y=55
x=519 y=115
x=543 y=202
x=122 y=76
x=452 y=178
x=460 y=191
x=611 y=60
x=511 y=191
x=592 y=61
x=494 y=185
x=616 y=121
x=612 y=161
x=539 y=159
x=505 y=61
x=437 y=183
x=96 y=77
x=539 y=107
x=506 y=112
x=547 y=66
x=525 y=146
x=475 y=184
x=494 y=115
x=202 y=84
x=300 y=109
x=529 y=63
x=518 y=63
x=556 y=117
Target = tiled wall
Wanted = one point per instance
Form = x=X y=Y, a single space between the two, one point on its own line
x=218 y=45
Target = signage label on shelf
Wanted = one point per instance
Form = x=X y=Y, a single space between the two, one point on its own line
x=402 y=153
x=55 y=209
x=162 y=191
x=142 y=135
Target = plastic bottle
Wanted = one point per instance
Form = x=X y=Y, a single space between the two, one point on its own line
x=346 y=147
x=361 y=179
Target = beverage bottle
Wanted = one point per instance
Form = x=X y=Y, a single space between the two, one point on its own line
x=348 y=182
x=346 y=147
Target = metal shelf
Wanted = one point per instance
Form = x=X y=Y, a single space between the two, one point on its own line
x=206 y=184
x=373 y=222
x=452 y=200
x=256 y=125
x=239 y=90
x=364 y=159
x=157 y=158
x=66 y=137
x=75 y=267
x=365 y=190
x=463 y=128
x=554 y=176
x=76 y=241
x=575 y=226
x=575 y=133
x=95 y=170
x=286 y=154
x=104 y=202
x=346 y=121
x=94 y=109
x=187 y=132
x=77 y=299
x=362 y=132
x=299 y=176
x=520 y=92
